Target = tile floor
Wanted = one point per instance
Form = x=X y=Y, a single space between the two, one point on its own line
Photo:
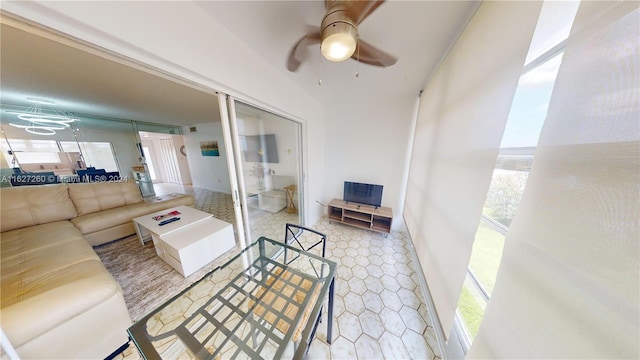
x=261 y=223
x=379 y=308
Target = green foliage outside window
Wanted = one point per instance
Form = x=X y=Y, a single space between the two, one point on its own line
x=504 y=196
x=470 y=311
x=484 y=263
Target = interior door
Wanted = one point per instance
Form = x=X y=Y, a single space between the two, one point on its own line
x=167 y=151
x=268 y=163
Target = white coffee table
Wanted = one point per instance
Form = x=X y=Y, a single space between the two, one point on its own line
x=189 y=243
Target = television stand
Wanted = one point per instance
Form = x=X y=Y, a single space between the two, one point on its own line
x=361 y=216
x=358 y=205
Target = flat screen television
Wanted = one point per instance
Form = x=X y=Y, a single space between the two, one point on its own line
x=361 y=193
x=259 y=148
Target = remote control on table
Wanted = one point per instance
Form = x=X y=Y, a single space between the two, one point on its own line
x=165 y=222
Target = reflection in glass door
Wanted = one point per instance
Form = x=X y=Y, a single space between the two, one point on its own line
x=268 y=164
x=167 y=151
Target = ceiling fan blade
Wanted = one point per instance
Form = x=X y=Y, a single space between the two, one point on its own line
x=358 y=10
x=299 y=52
x=369 y=54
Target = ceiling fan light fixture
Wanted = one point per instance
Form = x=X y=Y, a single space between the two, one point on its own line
x=338 y=41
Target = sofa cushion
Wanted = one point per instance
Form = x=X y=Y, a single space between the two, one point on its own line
x=22 y=273
x=25 y=274
x=16 y=242
x=106 y=219
x=33 y=205
x=167 y=201
x=92 y=197
x=55 y=298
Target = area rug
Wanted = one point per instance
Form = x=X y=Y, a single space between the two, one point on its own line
x=147 y=281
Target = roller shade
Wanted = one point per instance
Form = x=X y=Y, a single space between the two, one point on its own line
x=567 y=286
x=462 y=115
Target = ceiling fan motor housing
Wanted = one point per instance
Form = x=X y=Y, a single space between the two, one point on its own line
x=339 y=37
x=338 y=32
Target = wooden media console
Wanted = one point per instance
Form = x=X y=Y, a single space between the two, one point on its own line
x=361 y=216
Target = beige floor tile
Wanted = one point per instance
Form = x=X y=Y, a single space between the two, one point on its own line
x=393 y=347
x=379 y=310
x=368 y=348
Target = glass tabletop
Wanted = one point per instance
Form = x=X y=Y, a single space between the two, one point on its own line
x=257 y=305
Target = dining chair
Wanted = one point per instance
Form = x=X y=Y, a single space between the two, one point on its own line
x=306 y=238
x=312 y=241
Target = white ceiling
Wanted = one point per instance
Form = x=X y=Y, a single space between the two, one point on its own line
x=418 y=33
x=84 y=83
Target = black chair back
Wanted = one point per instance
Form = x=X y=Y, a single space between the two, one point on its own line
x=306 y=238
x=312 y=241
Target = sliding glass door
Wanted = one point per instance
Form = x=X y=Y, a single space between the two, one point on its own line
x=267 y=149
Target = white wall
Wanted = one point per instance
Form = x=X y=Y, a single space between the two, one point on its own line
x=207 y=172
x=367 y=143
x=180 y=38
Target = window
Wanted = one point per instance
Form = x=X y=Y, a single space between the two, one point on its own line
x=517 y=149
x=97 y=154
x=33 y=145
x=526 y=118
x=37 y=157
x=31 y=151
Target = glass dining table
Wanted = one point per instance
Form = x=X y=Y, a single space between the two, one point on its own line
x=261 y=304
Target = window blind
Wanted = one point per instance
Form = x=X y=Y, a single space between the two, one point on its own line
x=567 y=286
x=462 y=115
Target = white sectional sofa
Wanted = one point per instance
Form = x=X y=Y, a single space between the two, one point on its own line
x=57 y=298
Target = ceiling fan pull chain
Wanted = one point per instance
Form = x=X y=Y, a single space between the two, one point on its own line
x=358 y=55
x=320 y=66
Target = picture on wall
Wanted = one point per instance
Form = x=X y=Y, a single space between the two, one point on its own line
x=209 y=148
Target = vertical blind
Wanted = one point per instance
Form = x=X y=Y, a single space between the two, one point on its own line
x=462 y=115
x=567 y=286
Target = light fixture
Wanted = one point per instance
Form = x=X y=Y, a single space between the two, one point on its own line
x=339 y=35
x=41 y=120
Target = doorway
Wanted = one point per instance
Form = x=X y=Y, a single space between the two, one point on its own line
x=165 y=162
x=268 y=165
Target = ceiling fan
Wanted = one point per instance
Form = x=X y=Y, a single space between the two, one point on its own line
x=338 y=36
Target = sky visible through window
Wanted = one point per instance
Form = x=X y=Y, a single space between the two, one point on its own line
x=530 y=104
x=531 y=101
